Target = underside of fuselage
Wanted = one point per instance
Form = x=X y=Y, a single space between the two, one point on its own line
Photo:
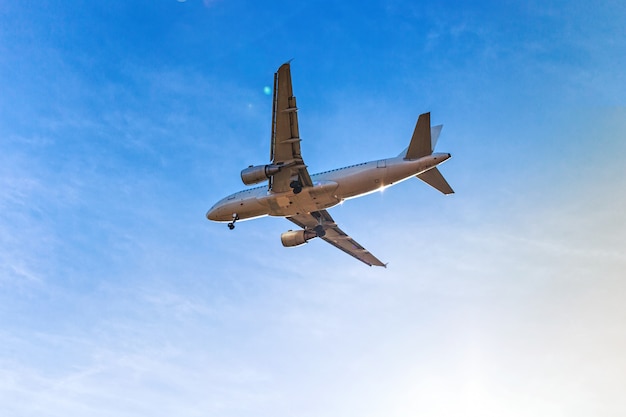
x=330 y=188
x=258 y=202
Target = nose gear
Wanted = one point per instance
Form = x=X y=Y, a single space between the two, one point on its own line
x=231 y=225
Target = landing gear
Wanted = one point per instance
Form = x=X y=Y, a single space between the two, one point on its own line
x=319 y=231
x=231 y=225
x=297 y=186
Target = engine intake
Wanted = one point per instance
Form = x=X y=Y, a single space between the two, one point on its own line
x=256 y=174
x=296 y=237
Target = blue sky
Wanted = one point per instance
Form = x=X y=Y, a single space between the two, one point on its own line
x=122 y=123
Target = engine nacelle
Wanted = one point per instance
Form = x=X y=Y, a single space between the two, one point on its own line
x=296 y=237
x=256 y=174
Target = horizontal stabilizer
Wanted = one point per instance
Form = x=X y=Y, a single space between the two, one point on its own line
x=434 y=178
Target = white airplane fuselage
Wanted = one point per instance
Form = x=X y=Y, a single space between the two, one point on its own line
x=329 y=189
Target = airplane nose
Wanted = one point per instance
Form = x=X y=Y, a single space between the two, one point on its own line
x=212 y=214
x=221 y=211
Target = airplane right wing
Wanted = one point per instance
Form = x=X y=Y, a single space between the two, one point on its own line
x=335 y=236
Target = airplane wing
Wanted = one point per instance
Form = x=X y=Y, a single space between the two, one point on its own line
x=285 y=146
x=335 y=236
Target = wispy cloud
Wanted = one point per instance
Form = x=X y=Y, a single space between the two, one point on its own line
x=210 y=3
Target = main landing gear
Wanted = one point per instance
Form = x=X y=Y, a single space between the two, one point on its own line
x=231 y=225
x=297 y=186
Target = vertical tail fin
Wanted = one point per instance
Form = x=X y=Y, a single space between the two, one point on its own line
x=421 y=144
x=434 y=135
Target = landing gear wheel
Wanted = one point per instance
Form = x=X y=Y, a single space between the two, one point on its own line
x=297 y=187
x=231 y=225
x=319 y=231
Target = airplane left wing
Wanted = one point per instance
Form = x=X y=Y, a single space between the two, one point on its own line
x=285 y=146
x=335 y=236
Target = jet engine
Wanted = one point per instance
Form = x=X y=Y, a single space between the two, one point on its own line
x=256 y=174
x=296 y=237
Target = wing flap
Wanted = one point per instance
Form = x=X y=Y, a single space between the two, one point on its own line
x=285 y=144
x=335 y=236
x=341 y=240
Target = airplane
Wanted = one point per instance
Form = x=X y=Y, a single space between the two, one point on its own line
x=292 y=193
